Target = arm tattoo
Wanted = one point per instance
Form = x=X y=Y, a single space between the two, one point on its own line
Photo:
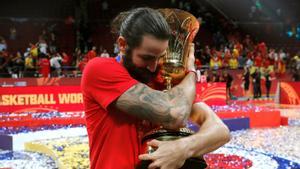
x=155 y=106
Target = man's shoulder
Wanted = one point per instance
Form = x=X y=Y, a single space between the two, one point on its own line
x=102 y=65
x=99 y=61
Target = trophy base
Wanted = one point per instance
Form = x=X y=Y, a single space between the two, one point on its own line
x=191 y=163
x=168 y=135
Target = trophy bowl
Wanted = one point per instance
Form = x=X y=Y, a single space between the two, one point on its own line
x=184 y=27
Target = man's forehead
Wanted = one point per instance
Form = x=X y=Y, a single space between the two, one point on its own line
x=155 y=45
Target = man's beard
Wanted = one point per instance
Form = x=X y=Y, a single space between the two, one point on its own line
x=142 y=75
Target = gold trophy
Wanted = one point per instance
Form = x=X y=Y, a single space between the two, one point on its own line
x=184 y=27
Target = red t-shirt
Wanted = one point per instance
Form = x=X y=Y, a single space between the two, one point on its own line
x=90 y=55
x=258 y=61
x=266 y=63
x=113 y=135
x=82 y=64
x=66 y=60
x=44 y=67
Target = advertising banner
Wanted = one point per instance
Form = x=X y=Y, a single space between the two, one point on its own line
x=211 y=93
x=41 y=98
x=290 y=93
x=69 y=98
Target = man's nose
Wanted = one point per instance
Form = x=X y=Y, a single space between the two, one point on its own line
x=152 y=66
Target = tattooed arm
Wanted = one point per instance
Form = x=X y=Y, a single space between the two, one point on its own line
x=170 y=109
x=213 y=134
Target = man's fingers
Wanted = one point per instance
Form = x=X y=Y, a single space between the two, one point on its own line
x=154 y=143
x=191 y=49
x=145 y=157
x=154 y=165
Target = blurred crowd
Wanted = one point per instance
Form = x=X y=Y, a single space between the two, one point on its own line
x=236 y=54
x=44 y=59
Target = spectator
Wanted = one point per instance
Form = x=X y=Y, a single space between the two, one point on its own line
x=55 y=64
x=242 y=61
x=33 y=50
x=233 y=63
x=42 y=46
x=282 y=55
x=258 y=60
x=246 y=80
x=91 y=54
x=268 y=79
x=77 y=56
x=66 y=62
x=204 y=77
x=3 y=45
x=226 y=77
x=215 y=76
x=256 y=83
x=18 y=65
x=9 y=65
x=296 y=68
x=29 y=66
x=26 y=53
x=215 y=62
x=198 y=63
x=227 y=56
x=44 y=66
x=272 y=56
x=239 y=48
x=81 y=65
x=249 y=63
x=66 y=59
x=104 y=54
x=262 y=48
x=205 y=56
x=52 y=43
x=280 y=66
x=120 y=55
x=3 y=64
x=116 y=49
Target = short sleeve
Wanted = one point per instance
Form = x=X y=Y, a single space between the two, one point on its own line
x=104 y=80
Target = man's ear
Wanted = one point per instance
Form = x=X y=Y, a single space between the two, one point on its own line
x=122 y=43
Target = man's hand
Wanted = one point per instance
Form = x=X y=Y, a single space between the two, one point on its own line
x=191 y=58
x=168 y=155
